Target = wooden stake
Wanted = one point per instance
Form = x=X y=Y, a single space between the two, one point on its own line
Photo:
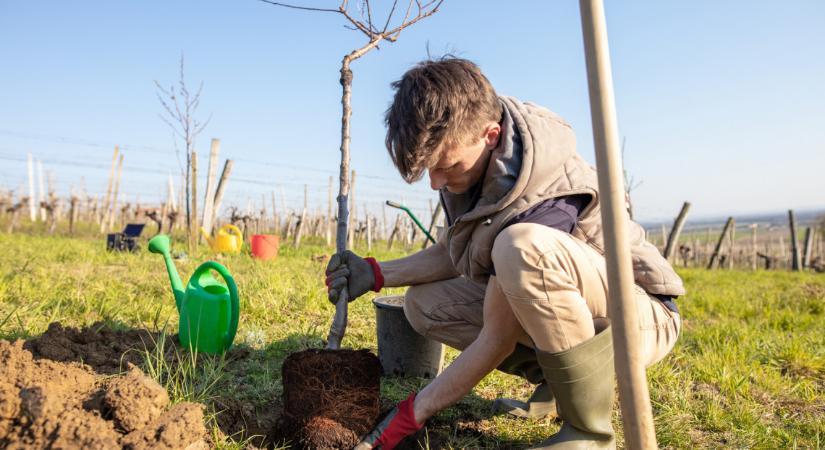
x=276 y=220
x=753 y=247
x=394 y=232
x=41 y=190
x=673 y=238
x=369 y=231
x=193 y=198
x=808 y=246
x=329 y=214
x=302 y=223
x=222 y=182
x=352 y=216
x=633 y=391
x=103 y=223
x=32 y=196
x=796 y=261
x=731 y=245
x=114 y=203
x=664 y=238
x=433 y=221
x=209 y=195
x=715 y=255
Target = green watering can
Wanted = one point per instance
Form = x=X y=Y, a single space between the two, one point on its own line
x=208 y=310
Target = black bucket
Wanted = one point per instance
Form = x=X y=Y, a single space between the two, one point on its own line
x=402 y=351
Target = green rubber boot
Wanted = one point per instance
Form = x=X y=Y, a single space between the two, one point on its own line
x=582 y=379
x=523 y=363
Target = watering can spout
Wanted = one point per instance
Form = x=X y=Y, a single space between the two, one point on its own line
x=209 y=239
x=160 y=244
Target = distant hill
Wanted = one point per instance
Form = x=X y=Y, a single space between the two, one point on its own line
x=769 y=220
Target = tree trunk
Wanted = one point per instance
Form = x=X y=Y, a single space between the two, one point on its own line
x=339 y=323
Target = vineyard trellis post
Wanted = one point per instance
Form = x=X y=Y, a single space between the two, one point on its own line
x=795 y=257
x=673 y=238
x=715 y=255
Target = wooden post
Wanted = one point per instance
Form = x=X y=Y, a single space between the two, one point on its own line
x=715 y=255
x=754 y=256
x=352 y=216
x=731 y=245
x=673 y=238
x=436 y=215
x=115 y=194
x=664 y=238
x=108 y=197
x=222 y=182
x=634 y=398
x=796 y=261
x=41 y=197
x=193 y=223
x=72 y=214
x=394 y=232
x=369 y=230
x=329 y=214
x=209 y=195
x=806 y=249
x=302 y=223
x=170 y=195
x=181 y=221
x=276 y=220
x=384 y=221
x=32 y=198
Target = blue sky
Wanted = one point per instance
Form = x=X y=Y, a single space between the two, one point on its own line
x=720 y=103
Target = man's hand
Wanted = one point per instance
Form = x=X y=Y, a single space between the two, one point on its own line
x=398 y=424
x=358 y=275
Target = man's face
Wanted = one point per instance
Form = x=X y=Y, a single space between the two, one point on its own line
x=461 y=166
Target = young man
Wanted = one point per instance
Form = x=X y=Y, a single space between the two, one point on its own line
x=518 y=281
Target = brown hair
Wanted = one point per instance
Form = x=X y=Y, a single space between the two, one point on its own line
x=444 y=101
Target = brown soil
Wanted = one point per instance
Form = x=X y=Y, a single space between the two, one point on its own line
x=51 y=404
x=105 y=350
x=331 y=397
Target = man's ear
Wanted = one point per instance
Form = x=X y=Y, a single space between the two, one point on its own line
x=491 y=135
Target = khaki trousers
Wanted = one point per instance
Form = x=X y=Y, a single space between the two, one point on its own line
x=556 y=287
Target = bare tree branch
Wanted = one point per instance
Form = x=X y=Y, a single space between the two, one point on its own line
x=389 y=16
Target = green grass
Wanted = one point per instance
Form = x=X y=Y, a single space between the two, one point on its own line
x=748 y=371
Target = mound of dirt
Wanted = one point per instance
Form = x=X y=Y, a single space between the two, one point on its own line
x=106 y=350
x=331 y=397
x=134 y=400
x=51 y=404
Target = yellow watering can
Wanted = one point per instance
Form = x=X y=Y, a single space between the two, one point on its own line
x=228 y=239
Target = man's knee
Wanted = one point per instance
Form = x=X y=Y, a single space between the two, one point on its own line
x=525 y=246
x=414 y=301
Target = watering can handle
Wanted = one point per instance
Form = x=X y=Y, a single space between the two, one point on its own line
x=234 y=300
x=232 y=229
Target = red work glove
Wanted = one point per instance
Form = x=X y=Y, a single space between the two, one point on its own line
x=398 y=424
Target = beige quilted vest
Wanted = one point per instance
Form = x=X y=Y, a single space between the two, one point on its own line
x=550 y=168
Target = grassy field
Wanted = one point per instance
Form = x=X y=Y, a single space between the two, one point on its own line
x=748 y=372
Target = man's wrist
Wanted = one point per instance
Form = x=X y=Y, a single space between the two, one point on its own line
x=376 y=272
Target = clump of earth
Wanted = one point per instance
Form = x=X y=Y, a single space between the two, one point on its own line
x=53 y=401
x=331 y=397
